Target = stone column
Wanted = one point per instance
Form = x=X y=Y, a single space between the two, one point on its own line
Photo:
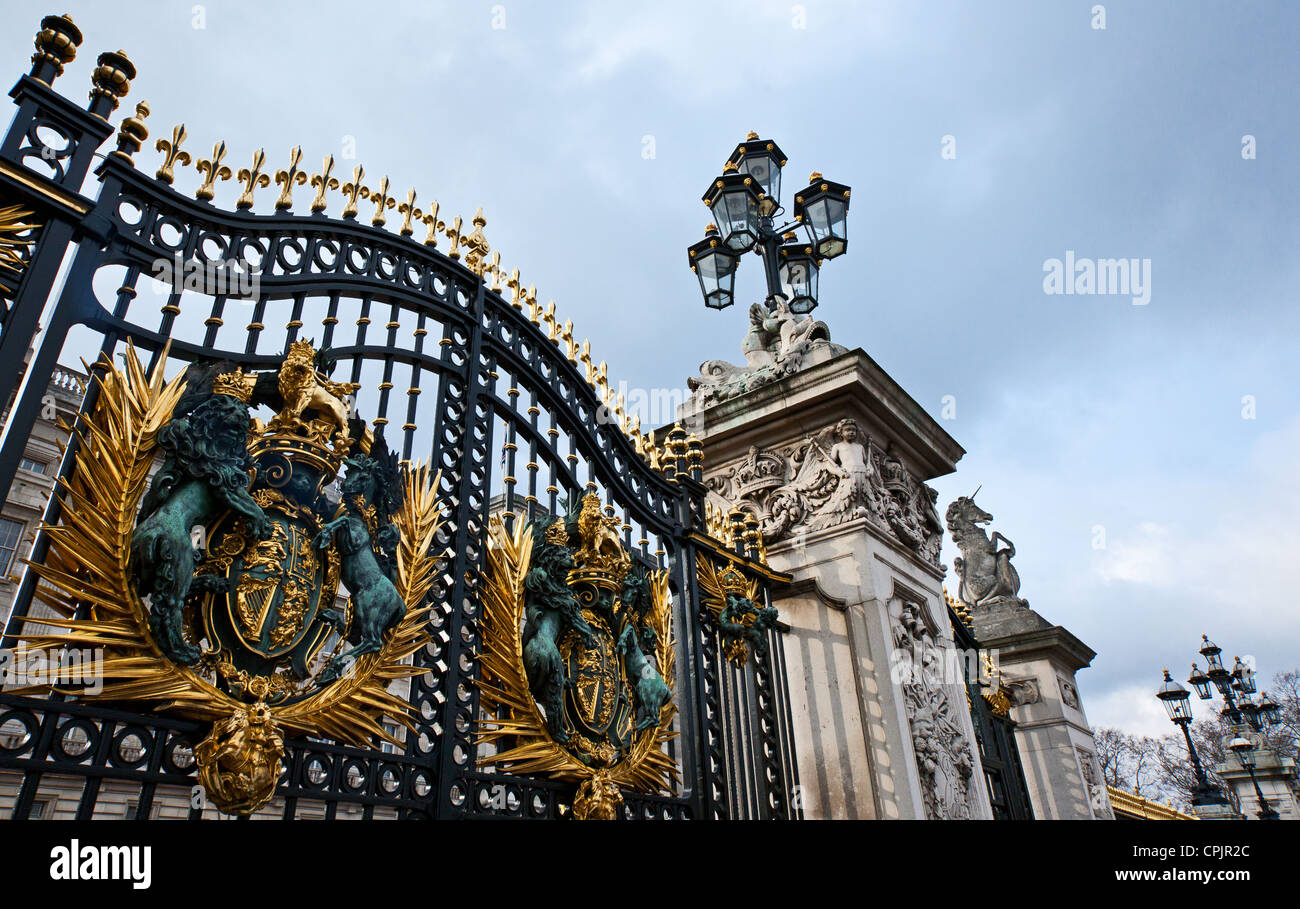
x=831 y=455
x=1056 y=746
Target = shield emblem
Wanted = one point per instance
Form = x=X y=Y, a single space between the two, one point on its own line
x=270 y=613
x=596 y=701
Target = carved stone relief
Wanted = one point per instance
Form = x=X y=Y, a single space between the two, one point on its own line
x=1069 y=694
x=943 y=752
x=778 y=344
x=828 y=478
x=1093 y=780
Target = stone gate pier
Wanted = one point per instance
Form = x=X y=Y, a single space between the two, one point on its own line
x=831 y=456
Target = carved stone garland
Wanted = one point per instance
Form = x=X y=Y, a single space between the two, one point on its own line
x=943 y=752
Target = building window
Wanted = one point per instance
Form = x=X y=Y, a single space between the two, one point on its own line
x=33 y=466
x=11 y=534
x=40 y=811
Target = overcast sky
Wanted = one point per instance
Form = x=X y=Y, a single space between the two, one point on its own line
x=588 y=131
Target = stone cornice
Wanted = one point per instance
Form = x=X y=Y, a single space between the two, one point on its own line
x=1052 y=641
x=849 y=385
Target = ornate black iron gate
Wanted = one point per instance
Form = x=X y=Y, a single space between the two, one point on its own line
x=499 y=397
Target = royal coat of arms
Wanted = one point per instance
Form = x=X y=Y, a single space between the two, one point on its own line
x=735 y=602
x=212 y=587
x=578 y=658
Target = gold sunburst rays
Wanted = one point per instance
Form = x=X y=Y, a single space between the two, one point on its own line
x=517 y=722
x=87 y=583
x=16 y=236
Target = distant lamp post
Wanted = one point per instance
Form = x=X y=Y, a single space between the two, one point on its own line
x=1236 y=686
x=715 y=267
x=746 y=201
x=1201 y=682
x=1244 y=749
x=1176 y=701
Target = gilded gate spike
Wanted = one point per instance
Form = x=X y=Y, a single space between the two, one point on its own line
x=602 y=378
x=530 y=300
x=548 y=320
x=494 y=269
x=252 y=177
x=353 y=191
x=322 y=182
x=585 y=358
x=476 y=245
x=513 y=285
x=172 y=153
x=430 y=220
x=214 y=170
x=287 y=178
x=566 y=337
x=132 y=132
x=382 y=201
x=408 y=211
x=453 y=234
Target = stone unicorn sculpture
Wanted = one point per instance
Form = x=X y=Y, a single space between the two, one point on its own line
x=987 y=576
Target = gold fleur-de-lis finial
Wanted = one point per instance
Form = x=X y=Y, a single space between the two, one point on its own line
x=513 y=285
x=430 y=221
x=287 y=178
x=214 y=170
x=453 y=234
x=408 y=211
x=322 y=182
x=602 y=379
x=566 y=338
x=353 y=190
x=252 y=177
x=548 y=319
x=172 y=154
x=584 y=357
x=530 y=300
x=382 y=200
x=476 y=245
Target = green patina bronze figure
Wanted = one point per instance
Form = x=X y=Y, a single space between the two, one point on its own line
x=638 y=639
x=367 y=542
x=550 y=611
x=205 y=471
x=743 y=621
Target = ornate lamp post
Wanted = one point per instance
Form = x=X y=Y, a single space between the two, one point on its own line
x=1175 y=699
x=1244 y=749
x=746 y=202
x=1236 y=686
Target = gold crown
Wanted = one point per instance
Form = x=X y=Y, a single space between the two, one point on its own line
x=556 y=535
x=300 y=352
x=733 y=581
x=235 y=384
x=601 y=559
